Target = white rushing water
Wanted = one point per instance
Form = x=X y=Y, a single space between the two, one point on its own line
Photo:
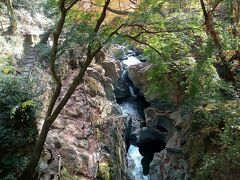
x=131 y=60
x=131 y=108
x=134 y=164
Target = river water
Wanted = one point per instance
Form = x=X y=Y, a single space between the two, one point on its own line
x=133 y=106
x=134 y=164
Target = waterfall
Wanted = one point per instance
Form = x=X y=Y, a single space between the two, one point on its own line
x=133 y=106
x=134 y=164
x=132 y=91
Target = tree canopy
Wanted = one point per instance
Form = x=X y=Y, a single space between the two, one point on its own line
x=193 y=47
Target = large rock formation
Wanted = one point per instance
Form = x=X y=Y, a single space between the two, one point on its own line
x=89 y=133
x=163 y=124
x=139 y=76
x=169 y=163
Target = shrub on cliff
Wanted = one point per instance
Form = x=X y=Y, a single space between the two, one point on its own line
x=18 y=129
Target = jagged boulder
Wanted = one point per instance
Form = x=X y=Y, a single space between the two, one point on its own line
x=158 y=119
x=168 y=165
x=137 y=74
x=151 y=135
x=112 y=70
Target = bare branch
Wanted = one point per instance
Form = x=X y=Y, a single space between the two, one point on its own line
x=119 y=12
x=71 y=5
x=53 y=57
x=144 y=43
x=102 y=17
x=116 y=30
x=147 y=31
x=215 y=5
x=83 y=69
x=51 y=114
x=205 y=14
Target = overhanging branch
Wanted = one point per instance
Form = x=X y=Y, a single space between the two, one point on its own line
x=145 y=43
x=71 y=5
x=118 y=12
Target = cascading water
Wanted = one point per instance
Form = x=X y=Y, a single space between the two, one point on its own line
x=131 y=60
x=134 y=164
x=133 y=106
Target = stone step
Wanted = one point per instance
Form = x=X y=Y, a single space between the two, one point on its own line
x=26 y=70
x=28 y=62
x=28 y=66
x=30 y=57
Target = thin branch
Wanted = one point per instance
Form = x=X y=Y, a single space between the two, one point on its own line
x=144 y=43
x=53 y=58
x=161 y=31
x=102 y=17
x=83 y=69
x=147 y=31
x=215 y=5
x=115 y=31
x=205 y=14
x=71 y=5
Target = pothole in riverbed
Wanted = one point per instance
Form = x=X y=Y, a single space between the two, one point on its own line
x=140 y=157
x=147 y=150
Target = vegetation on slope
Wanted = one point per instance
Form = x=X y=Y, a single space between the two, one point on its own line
x=193 y=46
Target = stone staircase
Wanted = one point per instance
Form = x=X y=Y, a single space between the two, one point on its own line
x=50 y=162
x=29 y=62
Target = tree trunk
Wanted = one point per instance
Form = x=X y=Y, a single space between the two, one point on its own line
x=223 y=69
x=52 y=113
x=13 y=22
x=13 y=25
x=46 y=36
x=29 y=170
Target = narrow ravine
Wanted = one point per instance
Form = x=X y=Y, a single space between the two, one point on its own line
x=133 y=104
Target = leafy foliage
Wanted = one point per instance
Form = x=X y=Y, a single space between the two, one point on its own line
x=17 y=122
x=18 y=129
x=183 y=58
x=219 y=124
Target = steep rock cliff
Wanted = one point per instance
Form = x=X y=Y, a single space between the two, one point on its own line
x=89 y=133
x=164 y=123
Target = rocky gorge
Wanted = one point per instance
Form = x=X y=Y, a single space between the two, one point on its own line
x=119 y=90
x=161 y=134
x=111 y=130
x=89 y=134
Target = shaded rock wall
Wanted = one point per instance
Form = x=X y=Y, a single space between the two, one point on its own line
x=164 y=123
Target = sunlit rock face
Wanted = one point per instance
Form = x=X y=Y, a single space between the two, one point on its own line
x=131 y=60
x=137 y=74
x=30 y=28
x=89 y=132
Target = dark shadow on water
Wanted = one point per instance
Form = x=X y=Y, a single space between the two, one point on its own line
x=147 y=150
